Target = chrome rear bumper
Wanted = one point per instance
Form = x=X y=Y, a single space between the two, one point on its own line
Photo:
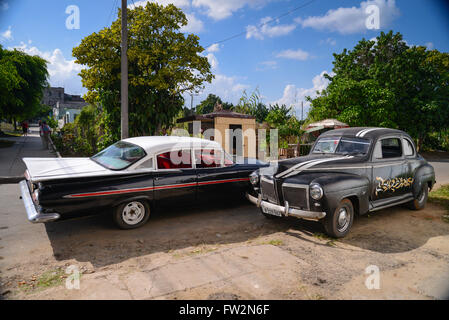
x=34 y=215
x=286 y=211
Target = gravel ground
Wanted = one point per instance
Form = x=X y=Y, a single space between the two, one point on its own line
x=229 y=252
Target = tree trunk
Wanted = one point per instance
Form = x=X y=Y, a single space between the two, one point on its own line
x=15 y=124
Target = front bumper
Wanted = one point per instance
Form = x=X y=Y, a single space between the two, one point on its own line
x=286 y=211
x=35 y=215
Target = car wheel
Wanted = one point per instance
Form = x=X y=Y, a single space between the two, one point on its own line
x=338 y=223
x=132 y=214
x=420 y=201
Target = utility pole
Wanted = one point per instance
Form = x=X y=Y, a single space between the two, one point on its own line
x=302 y=110
x=124 y=71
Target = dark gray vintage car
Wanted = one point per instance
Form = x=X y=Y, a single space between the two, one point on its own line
x=348 y=171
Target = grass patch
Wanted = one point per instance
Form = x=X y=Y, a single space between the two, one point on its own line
x=441 y=196
x=6 y=143
x=48 y=279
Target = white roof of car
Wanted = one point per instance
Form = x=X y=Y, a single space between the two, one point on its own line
x=155 y=144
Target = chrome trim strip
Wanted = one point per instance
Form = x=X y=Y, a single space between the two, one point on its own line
x=34 y=216
x=392 y=204
x=286 y=211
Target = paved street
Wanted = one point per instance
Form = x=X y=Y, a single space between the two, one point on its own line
x=230 y=251
x=11 y=164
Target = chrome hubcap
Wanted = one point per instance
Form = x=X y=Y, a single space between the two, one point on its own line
x=133 y=213
x=343 y=219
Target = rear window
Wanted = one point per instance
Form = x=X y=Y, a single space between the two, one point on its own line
x=119 y=156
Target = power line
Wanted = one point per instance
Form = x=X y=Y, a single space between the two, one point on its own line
x=114 y=5
x=265 y=23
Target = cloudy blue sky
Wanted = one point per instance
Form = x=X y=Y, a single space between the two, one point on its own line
x=284 y=58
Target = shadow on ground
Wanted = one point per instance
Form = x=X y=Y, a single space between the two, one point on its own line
x=97 y=240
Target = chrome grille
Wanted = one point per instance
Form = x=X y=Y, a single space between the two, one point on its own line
x=297 y=195
x=268 y=190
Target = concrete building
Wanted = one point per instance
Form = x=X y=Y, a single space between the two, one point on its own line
x=65 y=107
x=236 y=132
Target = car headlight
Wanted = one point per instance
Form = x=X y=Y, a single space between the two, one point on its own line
x=254 y=178
x=316 y=192
x=36 y=196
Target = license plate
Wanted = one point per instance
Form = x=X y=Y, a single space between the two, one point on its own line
x=271 y=211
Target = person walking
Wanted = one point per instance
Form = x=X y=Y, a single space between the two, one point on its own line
x=25 y=127
x=46 y=131
x=41 y=133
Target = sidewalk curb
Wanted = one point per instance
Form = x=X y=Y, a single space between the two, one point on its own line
x=54 y=147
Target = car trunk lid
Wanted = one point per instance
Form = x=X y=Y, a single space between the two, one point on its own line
x=41 y=169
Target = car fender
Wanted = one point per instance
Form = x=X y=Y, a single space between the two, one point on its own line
x=338 y=186
x=423 y=174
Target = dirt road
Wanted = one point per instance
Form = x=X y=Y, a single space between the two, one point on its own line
x=232 y=252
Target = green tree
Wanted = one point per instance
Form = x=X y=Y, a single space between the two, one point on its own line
x=163 y=63
x=282 y=118
x=389 y=84
x=208 y=104
x=252 y=105
x=22 y=80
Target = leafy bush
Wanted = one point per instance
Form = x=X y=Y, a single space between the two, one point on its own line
x=84 y=137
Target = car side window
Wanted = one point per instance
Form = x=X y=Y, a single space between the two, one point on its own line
x=388 y=148
x=408 y=148
x=179 y=159
x=208 y=158
x=148 y=164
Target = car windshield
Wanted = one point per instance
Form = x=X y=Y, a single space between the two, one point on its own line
x=342 y=145
x=119 y=156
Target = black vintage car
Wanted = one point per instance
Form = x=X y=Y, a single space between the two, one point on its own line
x=348 y=171
x=133 y=176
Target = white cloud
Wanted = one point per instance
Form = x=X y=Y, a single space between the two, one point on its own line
x=267 y=29
x=7 y=35
x=294 y=54
x=229 y=89
x=212 y=60
x=329 y=41
x=213 y=48
x=221 y=9
x=194 y=24
x=62 y=72
x=351 y=20
x=293 y=96
x=430 y=45
x=177 y=3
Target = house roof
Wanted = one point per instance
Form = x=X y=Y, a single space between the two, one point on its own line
x=213 y=115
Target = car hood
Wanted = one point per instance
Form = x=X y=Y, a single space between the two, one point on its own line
x=40 y=169
x=313 y=161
